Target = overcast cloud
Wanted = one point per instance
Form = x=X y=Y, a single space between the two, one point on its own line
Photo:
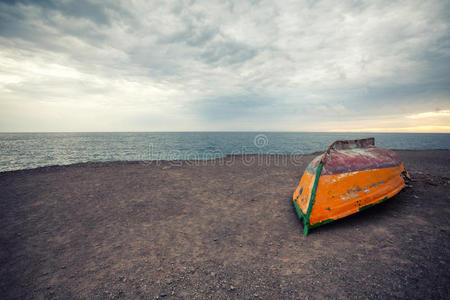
x=224 y=65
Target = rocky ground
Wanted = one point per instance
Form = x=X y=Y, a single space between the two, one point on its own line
x=216 y=229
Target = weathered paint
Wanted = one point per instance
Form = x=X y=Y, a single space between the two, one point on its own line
x=329 y=191
x=351 y=160
x=346 y=196
x=306 y=185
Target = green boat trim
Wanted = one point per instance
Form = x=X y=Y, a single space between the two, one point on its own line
x=373 y=204
x=305 y=218
x=314 y=190
x=321 y=223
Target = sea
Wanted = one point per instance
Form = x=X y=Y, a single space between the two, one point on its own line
x=32 y=150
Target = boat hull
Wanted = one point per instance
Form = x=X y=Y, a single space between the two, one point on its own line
x=345 y=183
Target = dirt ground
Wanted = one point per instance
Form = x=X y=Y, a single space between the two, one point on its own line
x=220 y=229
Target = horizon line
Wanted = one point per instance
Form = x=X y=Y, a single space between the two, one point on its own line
x=226 y=131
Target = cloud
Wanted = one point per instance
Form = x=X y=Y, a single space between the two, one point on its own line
x=82 y=9
x=235 y=107
x=431 y=114
x=222 y=65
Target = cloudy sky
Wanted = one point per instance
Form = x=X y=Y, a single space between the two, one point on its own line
x=91 y=65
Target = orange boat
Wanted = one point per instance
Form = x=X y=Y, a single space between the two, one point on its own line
x=349 y=177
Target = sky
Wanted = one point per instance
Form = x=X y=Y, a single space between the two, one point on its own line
x=88 y=65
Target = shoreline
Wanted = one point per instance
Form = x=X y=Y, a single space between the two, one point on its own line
x=228 y=156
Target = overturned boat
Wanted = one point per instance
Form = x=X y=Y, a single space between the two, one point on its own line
x=350 y=176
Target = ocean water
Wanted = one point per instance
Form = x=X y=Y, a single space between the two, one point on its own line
x=31 y=150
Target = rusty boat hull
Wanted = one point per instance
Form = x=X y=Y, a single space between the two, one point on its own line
x=349 y=177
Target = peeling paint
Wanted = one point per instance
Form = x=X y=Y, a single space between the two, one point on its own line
x=350 y=178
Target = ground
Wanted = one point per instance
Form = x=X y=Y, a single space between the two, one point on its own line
x=216 y=229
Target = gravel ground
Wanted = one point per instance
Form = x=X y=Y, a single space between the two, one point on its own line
x=216 y=229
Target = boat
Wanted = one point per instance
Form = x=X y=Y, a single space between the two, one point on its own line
x=350 y=176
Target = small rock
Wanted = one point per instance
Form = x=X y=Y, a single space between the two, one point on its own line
x=163 y=295
x=213 y=274
x=215 y=239
x=232 y=288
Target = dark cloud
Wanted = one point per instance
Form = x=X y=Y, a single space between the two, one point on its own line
x=95 y=12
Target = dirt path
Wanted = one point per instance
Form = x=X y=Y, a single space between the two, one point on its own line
x=184 y=230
